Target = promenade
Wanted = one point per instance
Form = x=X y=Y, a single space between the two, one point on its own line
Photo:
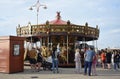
x=65 y=73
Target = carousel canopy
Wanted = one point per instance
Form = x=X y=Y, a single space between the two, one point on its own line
x=58 y=20
x=60 y=27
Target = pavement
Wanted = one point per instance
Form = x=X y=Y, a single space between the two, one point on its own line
x=64 y=73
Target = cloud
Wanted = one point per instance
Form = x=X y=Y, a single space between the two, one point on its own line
x=2 y=19
x=115 y=31
x=104 y=13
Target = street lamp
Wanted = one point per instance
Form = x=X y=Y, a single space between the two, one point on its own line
x=38 y=5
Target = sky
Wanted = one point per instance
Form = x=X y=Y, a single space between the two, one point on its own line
x=104 y=13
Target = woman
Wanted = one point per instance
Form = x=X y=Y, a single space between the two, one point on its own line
x=94 y=63
x=77 y=61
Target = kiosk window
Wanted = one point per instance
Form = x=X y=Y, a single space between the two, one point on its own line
x=16 y=50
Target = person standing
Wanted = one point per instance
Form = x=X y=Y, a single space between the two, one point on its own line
x=112 y=58
x=89 y=55
x=77 y=61
x=116 y=60
x=55 y=60
x=103 y=58
x=108 y=58
x=94 y=63
x=119 y=58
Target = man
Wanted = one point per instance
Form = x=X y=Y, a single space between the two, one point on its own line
x=116 y=60
x=89 y=55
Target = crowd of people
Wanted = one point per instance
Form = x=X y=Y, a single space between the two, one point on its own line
x=110 y=58
x=107 y=59
x=90 y=61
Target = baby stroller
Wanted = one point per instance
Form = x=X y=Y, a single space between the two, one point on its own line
x=46 y=65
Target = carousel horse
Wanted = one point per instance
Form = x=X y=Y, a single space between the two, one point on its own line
x=48 y=52
x=45 y=51
x=63 y=54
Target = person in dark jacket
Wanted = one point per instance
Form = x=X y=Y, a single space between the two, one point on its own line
x=108 y=58
x=116 y=60
x=39 y=59
x=55 y=60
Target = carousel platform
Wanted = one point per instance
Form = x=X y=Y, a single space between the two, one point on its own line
x=70 y=65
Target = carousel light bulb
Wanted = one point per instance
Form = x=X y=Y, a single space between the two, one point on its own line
x=77 y=30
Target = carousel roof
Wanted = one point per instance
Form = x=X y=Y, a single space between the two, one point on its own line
x=59 y=27
x=58 y=20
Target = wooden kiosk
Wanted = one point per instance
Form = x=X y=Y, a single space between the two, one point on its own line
x=11 y=54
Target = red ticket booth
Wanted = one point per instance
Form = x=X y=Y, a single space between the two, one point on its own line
x=11 y=54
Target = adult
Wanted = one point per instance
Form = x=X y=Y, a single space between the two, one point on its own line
x=94 y=63
x=55 y=60
x=89 y=55
x=32 y=58
x=103 y=58
x=39 y=59
x=116 y=60
x=77 y=61
x=108 y=58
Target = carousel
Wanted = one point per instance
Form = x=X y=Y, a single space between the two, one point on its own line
x=65 y=35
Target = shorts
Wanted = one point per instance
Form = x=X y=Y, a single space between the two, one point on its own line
x=33 y=61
